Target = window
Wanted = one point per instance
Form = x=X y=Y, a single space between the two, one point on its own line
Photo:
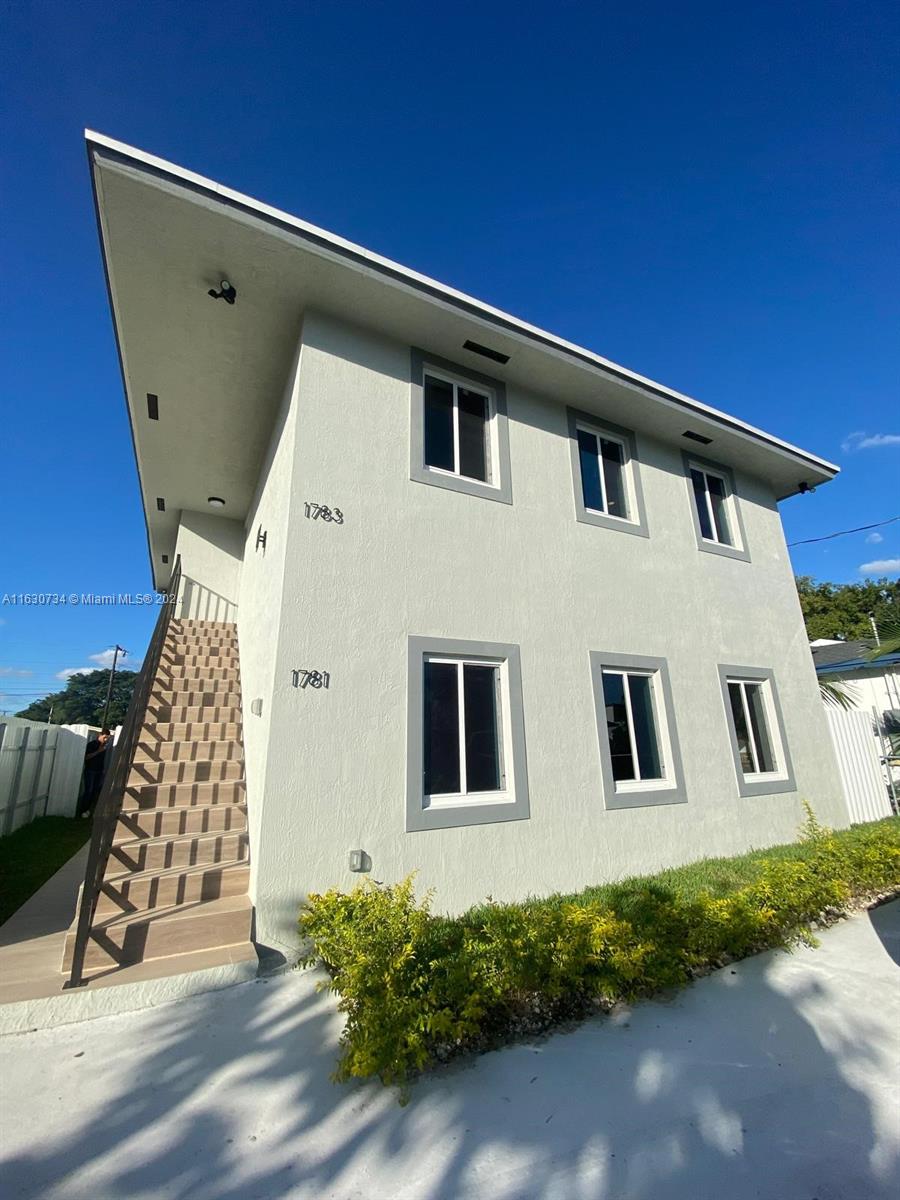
x=717 y=518
x=465 y=733
x=638 y=744
x=605 y=475
x=756 y=730
x=459 y=429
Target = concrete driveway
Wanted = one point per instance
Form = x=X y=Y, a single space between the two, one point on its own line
x=777 y=1078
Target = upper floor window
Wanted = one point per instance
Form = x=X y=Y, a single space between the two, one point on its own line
x=717 y=518
x=756 y=730
x=605 y=475
x=458 y=427
x=466 y=734
x=459 y=433
x=638 y=744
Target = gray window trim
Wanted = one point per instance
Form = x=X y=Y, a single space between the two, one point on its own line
x=502 y=491
x=727 y=474
x=749 y=787
x=636 y=799
x=419 y=818
x=637 y=525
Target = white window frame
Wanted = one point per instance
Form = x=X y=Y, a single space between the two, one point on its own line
x=505 y=794
x=758 y=783
x=446 y=811
x=660 y=729
x=635 y=793
x=737 y=547
x=491 y=448
x=756 y=775
x=607 y=435
x=708 y=473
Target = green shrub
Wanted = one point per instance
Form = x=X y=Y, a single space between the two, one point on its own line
x=416 y=988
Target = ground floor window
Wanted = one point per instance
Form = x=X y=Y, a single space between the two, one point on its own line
x=466 y=761
x=636 y=728
x=756 y=729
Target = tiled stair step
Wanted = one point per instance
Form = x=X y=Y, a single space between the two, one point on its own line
x=184 y=772
x=197 y=731
x=160 y=889
x=195 y=678
x=198 y=643
x=197 y=663
x=167 y=852
x=196 y=623
x=123 y=940
x=186 y=751
x=165 y=714
x=196 y=819
x=179 y=698
x=166 y=684
x=140 y=797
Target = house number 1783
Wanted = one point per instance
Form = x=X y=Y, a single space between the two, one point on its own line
x=316 y=512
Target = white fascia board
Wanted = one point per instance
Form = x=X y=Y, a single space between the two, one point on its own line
x=440 y=291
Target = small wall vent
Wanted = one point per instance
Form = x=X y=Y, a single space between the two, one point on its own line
x=486 y=352
x=152 y=406
x=696 y=437
x=160 y=504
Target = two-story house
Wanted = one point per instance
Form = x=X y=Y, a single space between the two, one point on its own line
x=457 y=596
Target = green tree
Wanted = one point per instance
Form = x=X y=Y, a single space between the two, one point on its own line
x=83 y=700
x=841 y=610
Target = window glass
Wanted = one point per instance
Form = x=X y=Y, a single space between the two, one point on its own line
x=473 y=418
x=757 y=707
x=741 y=728
x=646 y=743
x=698 y=479
x=480 y=687
x=441 y=731
x=439 y=424
x=717 y=494
x=591 y=491
x=617 y=726
x=613 y=476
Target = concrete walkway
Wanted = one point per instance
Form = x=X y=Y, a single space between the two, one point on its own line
x=777 y=1078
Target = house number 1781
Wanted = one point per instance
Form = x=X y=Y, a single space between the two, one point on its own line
x=304 y=678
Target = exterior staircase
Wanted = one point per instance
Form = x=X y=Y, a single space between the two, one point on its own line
x=177 y=875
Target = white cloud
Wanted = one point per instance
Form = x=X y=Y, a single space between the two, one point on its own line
x=105 y=658
x=70 y=671
x=881 y=566
x=874 y=538
x=14 y=671
x=867 y=441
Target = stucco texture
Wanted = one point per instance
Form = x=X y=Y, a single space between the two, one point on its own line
x=415 y=560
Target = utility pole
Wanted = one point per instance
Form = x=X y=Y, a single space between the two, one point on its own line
x=874 y=629
x=112 y=674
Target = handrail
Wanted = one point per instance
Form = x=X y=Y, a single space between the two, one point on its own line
x=112 y=794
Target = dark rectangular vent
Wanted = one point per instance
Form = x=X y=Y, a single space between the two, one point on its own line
x=697 y=437
x=486 y=352
x=165 y=558
x=160 y=504
x=152 y=406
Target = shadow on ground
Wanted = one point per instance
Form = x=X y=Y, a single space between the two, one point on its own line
x=767 y=1079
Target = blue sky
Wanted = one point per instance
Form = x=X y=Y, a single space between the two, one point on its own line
x=706 y=193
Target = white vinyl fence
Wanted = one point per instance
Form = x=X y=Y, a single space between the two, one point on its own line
x=859 y=754
x=40 y=770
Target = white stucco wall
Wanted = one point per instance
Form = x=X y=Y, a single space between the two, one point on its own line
x=211 y=549
x=416 y=559
x=260 y=608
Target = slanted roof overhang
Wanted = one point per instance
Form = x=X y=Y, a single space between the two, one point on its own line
x=218 y=371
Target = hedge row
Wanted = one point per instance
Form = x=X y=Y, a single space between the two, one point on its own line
x=417 y=988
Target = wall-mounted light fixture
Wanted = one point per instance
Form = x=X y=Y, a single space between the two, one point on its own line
x=226 y=292
x=215 y=501
x=804 y=488
x=256 y=707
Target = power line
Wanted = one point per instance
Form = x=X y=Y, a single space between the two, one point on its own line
x=842 y=533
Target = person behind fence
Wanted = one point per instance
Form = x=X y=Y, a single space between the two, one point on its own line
x=94 y=767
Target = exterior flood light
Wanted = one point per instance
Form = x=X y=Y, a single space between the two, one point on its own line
x=226 y=292
x=215 y=501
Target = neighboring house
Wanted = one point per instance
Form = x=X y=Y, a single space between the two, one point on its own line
x=870 y=684
x=507 y=614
